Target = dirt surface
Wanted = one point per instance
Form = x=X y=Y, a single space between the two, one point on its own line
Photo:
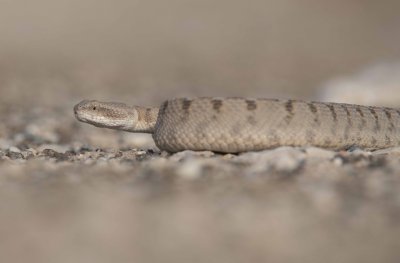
x=64 y=200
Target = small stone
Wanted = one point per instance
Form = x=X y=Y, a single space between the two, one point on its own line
x=119 y=154
x=85 y=148
x=53 y=154
x=14 y=149
x=54 y=147
x=138 y=157
x=228 y=156
x=14 y=155
x=151 y=151
x=140 y=152
x=29 y=155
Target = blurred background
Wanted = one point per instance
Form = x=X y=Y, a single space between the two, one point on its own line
x=58 y=52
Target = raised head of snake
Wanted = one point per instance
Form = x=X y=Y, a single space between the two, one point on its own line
x=118 y=116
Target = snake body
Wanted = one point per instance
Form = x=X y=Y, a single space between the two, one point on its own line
x=232 y=125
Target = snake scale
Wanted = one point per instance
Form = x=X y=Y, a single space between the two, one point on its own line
x=232 y=125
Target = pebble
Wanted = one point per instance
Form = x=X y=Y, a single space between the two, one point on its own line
x=14 y=149
x=37 y=139
x=54 y=155
x=14 y=155
x=54 y=147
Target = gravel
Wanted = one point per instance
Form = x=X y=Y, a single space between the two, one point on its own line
x=71 y=192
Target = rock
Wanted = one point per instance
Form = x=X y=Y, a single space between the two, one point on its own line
x=14 y=155
x=54 y=147
x=324 y=190
x=14 y=149
x=49 y=153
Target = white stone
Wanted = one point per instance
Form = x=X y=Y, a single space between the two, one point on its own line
x=14 y=149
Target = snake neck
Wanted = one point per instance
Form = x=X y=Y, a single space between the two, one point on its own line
x=146 y=119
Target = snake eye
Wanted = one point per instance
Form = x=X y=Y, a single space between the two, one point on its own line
x=94 y=108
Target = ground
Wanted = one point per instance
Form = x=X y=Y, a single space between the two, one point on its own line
x=63 y=200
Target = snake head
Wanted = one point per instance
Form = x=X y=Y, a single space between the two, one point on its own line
x=106 y=114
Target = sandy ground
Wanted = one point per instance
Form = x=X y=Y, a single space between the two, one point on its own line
x=70 y=192
x=65 y=200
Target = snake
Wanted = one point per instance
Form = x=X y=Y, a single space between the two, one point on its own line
x=235 y=125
